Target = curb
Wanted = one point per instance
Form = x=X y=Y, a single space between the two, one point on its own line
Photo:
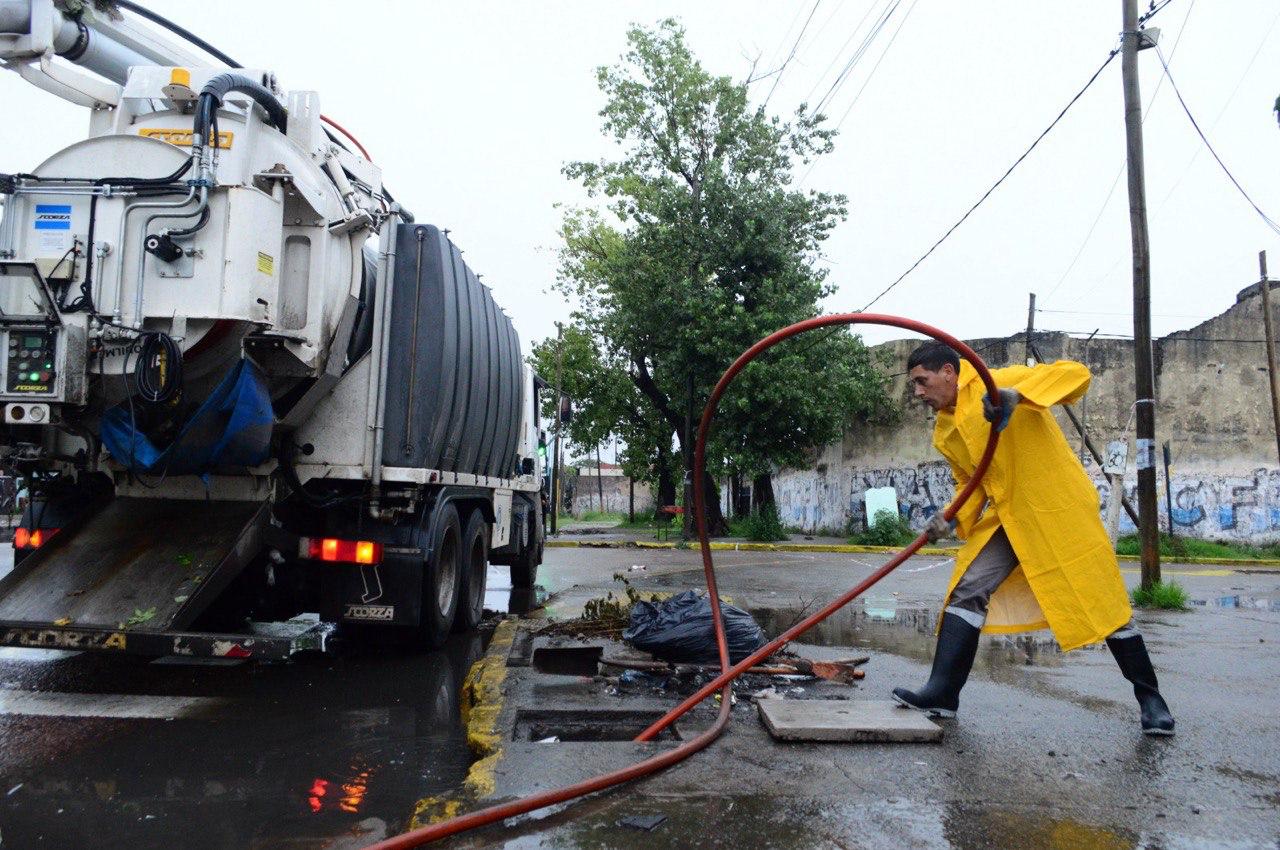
x=849 y=548
x=481 y=702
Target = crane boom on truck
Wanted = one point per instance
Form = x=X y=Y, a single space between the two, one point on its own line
x=252 y=398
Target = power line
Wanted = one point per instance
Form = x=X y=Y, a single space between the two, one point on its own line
x=872 y=73
x=1091 y=312
x=840 y=52
x=794 y=47
x=1116 y=181
x=996 y=185
x=857 y=55
x=1203 y=138
x=1234 y=91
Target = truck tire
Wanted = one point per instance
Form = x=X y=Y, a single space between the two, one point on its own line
x=474 y=563
x=442 y=581
x=524 y=570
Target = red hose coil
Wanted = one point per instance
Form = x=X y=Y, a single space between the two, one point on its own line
x=729 y=671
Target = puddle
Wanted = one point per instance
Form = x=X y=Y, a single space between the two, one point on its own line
x=308 y=751
x=800 y=823
x=909 y=632
x=500 y=596
x=1259 y=602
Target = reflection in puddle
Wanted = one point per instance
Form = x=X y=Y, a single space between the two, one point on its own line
x=500 y=596
x=307 y=751
x=798 y=823
x=909 y=632
x=1263 y=602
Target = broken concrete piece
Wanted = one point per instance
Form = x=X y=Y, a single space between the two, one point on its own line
x=859 y=721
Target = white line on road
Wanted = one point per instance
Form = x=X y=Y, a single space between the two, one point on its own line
x=116 y=706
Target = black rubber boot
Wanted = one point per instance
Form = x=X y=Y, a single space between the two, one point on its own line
x=952 y=661
x=1135 y=664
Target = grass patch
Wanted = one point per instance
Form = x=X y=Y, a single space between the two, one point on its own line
x=1168 y=595
x=1188 y=547
x=887 y=529
x=763 y=525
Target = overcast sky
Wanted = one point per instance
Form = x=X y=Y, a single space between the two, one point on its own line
x=472 y=108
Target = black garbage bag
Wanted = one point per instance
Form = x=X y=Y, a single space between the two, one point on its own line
x=680 y=629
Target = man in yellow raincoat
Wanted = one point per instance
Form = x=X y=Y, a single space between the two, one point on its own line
x=1035 y=554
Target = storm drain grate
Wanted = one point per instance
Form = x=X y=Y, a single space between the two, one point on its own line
x=585 y=724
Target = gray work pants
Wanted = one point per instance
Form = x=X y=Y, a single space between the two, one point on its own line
x=986 y=573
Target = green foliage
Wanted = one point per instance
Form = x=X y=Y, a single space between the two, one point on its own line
x=700 y=247
x=762 y=525
x=1187 y=547
x=1168 y=595
x=602 y=517
x=888 y=528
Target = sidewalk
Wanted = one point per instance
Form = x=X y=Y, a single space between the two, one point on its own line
x=585 y=536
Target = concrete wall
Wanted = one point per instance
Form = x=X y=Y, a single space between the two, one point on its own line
x=1213 y=406
x=586 y=495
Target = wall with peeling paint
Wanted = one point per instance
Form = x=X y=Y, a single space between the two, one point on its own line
x=1212 y=405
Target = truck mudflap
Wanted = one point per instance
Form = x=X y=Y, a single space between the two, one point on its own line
x=268 y=642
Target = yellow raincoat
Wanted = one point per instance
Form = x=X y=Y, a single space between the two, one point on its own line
x=1067 y=578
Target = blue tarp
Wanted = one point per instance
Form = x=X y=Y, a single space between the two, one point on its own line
x=231 y=428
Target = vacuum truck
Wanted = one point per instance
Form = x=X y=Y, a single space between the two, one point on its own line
x=253 y=400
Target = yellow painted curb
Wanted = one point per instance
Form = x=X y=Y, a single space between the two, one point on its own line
x=481 y=703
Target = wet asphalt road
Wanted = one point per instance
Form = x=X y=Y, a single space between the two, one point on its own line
x=335 y=752
x=105 y=752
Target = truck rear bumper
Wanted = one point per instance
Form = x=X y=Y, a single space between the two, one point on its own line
x=267 y=642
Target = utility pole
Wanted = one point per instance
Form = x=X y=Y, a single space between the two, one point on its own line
x=1144 y=368
x=599 y=478
x=555 y=469
x=1271 y=345
x=1031 y=326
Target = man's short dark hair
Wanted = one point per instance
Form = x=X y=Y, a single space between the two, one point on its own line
x=932 y=356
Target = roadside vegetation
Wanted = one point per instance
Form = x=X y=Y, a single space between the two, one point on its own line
x=1167 y=595
x=763 y=525
x=1185 y=547
x=887 y=529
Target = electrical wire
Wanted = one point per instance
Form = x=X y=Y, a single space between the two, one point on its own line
x=1172 y=84
x=777 y=78
x=1120 y=171
x=875 y=67
x=857 y=55
x=834 y=59
x=996 y=185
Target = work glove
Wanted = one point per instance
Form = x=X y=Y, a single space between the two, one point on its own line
x=999 y=416
x=939 y=528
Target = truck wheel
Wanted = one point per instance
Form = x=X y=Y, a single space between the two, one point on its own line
x=524 y=571
x=442 y=583
x=474 y=565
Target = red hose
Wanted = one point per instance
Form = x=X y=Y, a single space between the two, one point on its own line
x=344 y=131
x=653 y=764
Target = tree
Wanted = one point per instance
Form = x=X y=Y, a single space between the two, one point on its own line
x=607 y=404
x=701 y=248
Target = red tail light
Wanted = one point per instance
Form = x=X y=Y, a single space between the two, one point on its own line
x=25 y=538
x=340 y=551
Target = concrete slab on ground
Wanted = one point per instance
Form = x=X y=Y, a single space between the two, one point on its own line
x=846 y=720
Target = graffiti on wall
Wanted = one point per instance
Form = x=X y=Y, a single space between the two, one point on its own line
x=1244 y=507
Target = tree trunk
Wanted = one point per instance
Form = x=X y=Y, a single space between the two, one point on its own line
x=716 y=526
x=666 y=488
x=735 y=500
x=761 y=491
